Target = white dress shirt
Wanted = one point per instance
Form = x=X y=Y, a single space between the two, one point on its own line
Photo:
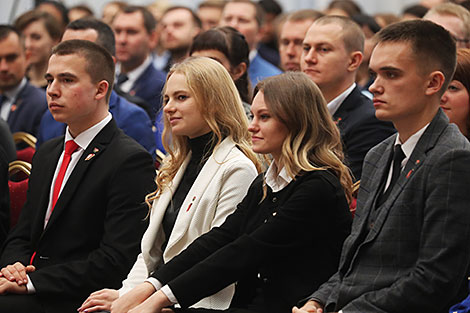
x=334 y=104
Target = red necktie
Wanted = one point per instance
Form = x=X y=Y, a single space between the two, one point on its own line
x=70 y=147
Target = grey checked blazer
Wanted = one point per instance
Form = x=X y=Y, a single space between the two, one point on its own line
x=416 y=256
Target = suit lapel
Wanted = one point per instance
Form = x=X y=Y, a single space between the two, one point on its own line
x=417 y=158
x=190 y=204
x=47 y=172
x=149 y=241
x=91 y=153
x=348 y=104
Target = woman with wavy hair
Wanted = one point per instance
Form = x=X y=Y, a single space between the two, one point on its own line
x=208 y=170
x=285 y=237
x=456 y=100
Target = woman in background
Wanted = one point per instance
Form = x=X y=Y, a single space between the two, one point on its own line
x=286 y=235
x=456 y=101
x=41 y=32
x=207 y=172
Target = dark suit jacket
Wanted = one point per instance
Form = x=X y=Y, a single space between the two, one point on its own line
x=416 y=256
x=27 y=111
x=93 y=235
x=269 y=249
x=149 y=87
x=4 y=198
x=129 y=117
x=360 y=129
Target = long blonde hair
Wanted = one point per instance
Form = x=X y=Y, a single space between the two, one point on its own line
x=313 y=142
x=220 y=105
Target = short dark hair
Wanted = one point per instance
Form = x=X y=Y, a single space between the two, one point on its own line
x=50 y=23
x=99 y=62
x=105 y=33
x=417 y=10
x=348 y=6
x=196 y=20
x=271 y=7
x=431 y=44
x=233 y=45
x=6 y=30
x=149 y=20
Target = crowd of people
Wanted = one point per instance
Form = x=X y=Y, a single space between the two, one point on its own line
x=237 y=158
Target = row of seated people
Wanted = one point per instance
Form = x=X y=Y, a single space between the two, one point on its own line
x=290 y=234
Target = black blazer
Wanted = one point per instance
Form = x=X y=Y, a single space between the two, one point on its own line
x=27 y=110
x=360 y=129
x=93 y=235
x=276 y=250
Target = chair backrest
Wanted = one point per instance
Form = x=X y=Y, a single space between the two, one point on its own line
x=23 y=137
x=25 y=145
x=355 y=190
x=18 y=172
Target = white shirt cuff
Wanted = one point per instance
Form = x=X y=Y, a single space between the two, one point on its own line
x=29 y=286
x=155 y=283
x=169 y=294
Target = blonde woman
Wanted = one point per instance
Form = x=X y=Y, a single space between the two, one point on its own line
x=285 y=237
x=207 y=172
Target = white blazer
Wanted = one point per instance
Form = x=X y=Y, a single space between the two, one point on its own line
x=219 y=187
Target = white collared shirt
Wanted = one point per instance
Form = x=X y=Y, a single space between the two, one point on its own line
x=334 y=104
x=82 y=140
x=133 y=75
x=11 y=97
x=276 y=181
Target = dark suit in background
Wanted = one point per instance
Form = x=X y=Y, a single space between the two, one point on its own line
x=411 y=254
x=149 y=87
x=360 y=129
x=93 y=235
x=132 y=119
x=4 y=198
x=27 y=110
x=6 y=141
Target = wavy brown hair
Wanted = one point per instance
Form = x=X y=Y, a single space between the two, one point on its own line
x=220 y=105
x=313 y=142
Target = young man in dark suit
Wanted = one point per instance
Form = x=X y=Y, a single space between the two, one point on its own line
x=332 y=54
x=82 y=222
x=21 y=104
x=409 y=249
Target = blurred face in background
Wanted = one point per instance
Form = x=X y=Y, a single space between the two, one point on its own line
x=242 y=17
x=38 y=42
x=456 y=105
x=290 y=43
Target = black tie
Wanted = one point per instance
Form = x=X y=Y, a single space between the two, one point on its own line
x=398 y=157
x=122 y=78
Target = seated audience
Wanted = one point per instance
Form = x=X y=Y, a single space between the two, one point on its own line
x=407 y=251
x=80 y=227
x=132 y=119
x=21 y=104
x=208 y=171
x=41 y=32
x=247 y=17
x=456 y=100
x=286 y=234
